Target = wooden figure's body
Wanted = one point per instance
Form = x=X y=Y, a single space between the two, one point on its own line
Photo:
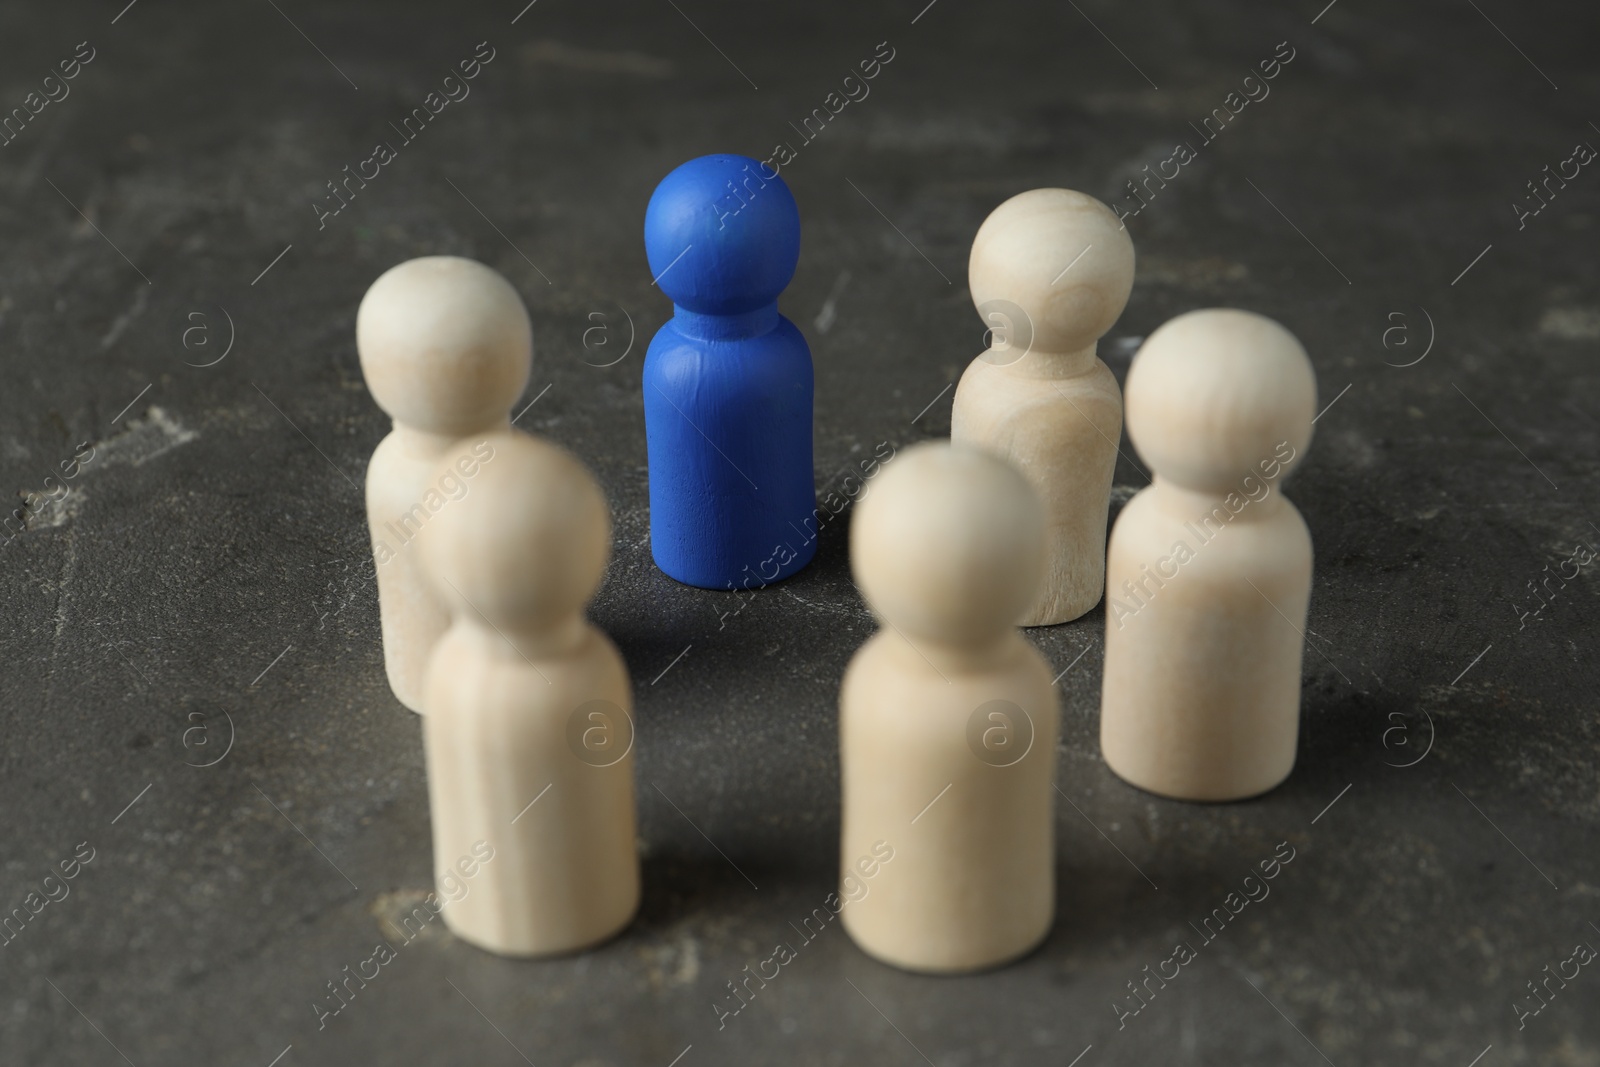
x=400 y=476
x=565 y=874
x=728 y=381
x=528 y=730
x=1209 y=569
x=972 y=883
x=446 y=348
x=1050 y=271
x=1060 y=429
x=1215 y=715
x=948 y=721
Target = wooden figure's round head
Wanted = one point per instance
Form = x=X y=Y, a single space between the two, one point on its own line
x=948 y=544
x=521 y=533
x=722 y=234
x=1217 y=395
x=445 y=344
x=1057 y=262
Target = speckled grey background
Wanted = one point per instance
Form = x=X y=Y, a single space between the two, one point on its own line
x=203 y=567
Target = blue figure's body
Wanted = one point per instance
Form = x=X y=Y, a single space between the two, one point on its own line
x=727 y=381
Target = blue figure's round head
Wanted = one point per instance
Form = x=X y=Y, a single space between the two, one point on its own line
x=722 y=234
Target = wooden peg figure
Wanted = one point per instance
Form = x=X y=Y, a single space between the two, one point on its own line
x=947 y=719
x=727 y=380
x=1050 y=272
x=446 y=349
x=528 y=728
x=1209 y=571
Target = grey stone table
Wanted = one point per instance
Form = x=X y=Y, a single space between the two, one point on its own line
x=197 y=582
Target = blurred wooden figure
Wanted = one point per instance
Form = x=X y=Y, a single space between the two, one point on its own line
x=947 y=717
x=1209 y=571
x=528 y=729
x=446 y=349
x=1050 y=272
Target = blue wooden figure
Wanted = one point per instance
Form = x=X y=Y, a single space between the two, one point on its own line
x=727 y=380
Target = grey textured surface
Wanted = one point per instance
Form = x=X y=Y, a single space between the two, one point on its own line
x=218 y=529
